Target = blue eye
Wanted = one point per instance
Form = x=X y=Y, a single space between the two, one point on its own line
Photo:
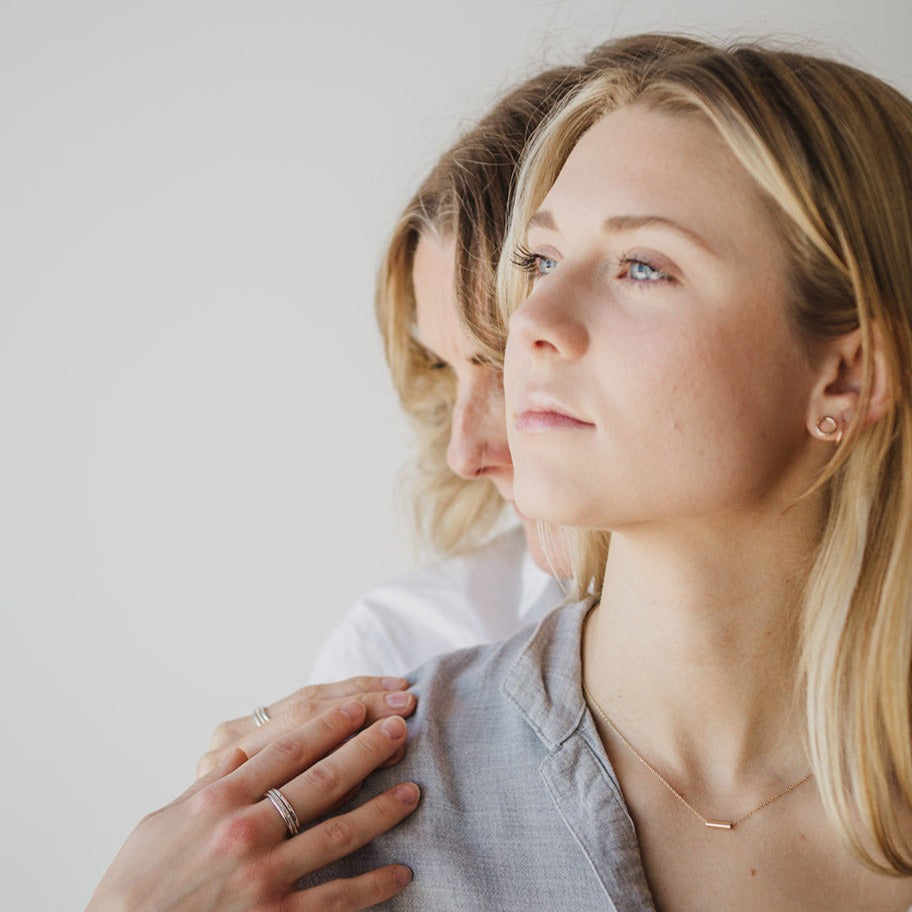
x=545 y=265
x=641 y=271
x=534 y=263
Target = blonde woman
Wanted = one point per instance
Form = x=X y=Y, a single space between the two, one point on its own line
x=709 y=360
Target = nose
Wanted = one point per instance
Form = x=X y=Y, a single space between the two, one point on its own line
x=550 y=322
x=478 y=435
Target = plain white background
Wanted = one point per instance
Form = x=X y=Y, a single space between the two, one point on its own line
x=199 y=442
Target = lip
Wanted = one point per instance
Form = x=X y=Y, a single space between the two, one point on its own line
x=541 y=412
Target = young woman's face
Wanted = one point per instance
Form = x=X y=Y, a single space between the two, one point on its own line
x=653 y=372
x=478 y=438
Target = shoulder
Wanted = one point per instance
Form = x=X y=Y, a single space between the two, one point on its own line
x=488 y=834
x=497 y=679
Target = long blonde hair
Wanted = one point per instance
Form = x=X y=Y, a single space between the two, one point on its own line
x=830 y=147
x=466 y=197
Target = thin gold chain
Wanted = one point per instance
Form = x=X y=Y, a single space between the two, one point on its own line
x=708 y=822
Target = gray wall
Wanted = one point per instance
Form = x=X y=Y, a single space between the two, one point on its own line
x=199 y=442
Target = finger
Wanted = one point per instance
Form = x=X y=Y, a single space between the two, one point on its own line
x=340 y=836
x=353 y=793
x=229 y=763
x=396 y=758
x=227 y=733
x=215 y=764
x=289 y=754
x=291 y=713
x=306 y=705
x=320 y=787
x=355 y=893
x=362 y=684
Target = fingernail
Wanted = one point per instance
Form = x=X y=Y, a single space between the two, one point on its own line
x=403 y=875
x=393 y=727
x=398 y=699
x=407 y=793
x=394 y=683
x=353 y=710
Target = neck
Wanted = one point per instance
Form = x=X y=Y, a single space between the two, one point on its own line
x=692 y=651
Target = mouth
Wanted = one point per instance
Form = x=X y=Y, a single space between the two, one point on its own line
x=539 y=413
x=538 y=422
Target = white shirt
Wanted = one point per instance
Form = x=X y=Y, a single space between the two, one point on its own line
x=464 y=601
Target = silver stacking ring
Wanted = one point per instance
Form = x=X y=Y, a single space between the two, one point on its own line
x=283 y=806
x=260 y=716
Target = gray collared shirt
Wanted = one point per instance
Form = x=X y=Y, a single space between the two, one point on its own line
x=520 y=808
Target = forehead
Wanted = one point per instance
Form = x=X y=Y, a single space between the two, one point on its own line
x=434 y=282
x=636 y=162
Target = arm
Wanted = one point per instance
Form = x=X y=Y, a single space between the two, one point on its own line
x=223 y=846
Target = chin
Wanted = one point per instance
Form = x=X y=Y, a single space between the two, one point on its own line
x=549 y=505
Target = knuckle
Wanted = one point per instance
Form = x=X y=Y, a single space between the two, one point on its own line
x=339 y=896
x=222 y=735
x=389 y=809
x=362 y=683
x=324 y=777
x=338 y=833
x=288 y=748
x=217 y=798
x=371 y=747
x=207 y=763
x=309 y=692
x=303 y=711
x=238 y=836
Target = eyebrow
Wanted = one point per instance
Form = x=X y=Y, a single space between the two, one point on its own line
x=630 y=222
x=544 y=219
x=541 y=219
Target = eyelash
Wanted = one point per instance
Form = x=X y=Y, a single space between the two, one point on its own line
x=530 y=263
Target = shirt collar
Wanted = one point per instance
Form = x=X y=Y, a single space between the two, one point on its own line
x=545 y=680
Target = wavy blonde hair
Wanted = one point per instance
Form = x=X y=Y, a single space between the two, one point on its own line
x=830 y=147
x=466 y=197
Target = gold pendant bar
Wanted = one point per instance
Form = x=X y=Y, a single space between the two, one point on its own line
x=718 y=824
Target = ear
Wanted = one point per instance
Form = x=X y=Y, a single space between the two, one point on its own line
x=835 y=398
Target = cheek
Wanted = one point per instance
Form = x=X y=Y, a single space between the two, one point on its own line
x=480 y=410
x=709 y=396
